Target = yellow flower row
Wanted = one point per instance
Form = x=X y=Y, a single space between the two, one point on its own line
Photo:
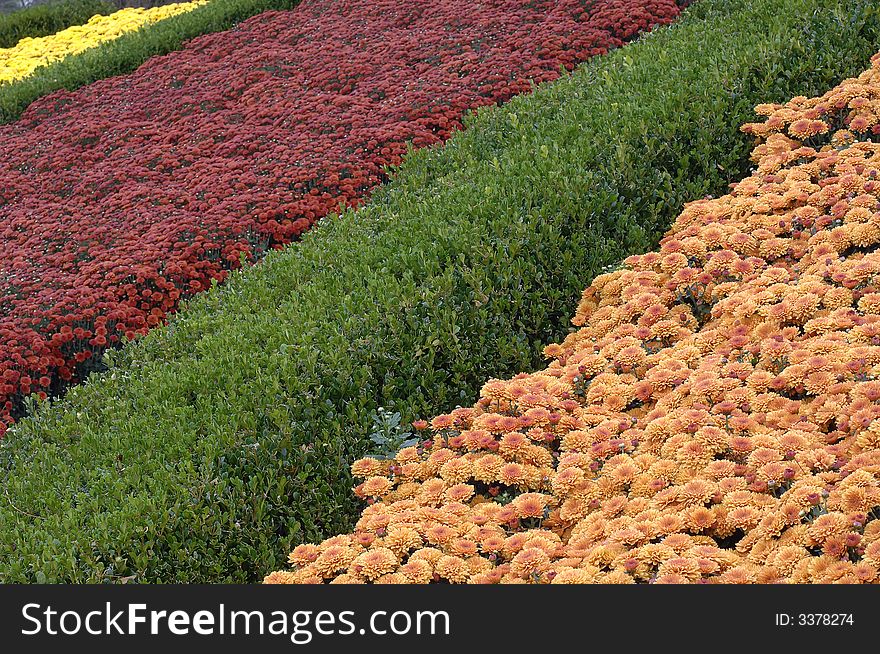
x=32 y=53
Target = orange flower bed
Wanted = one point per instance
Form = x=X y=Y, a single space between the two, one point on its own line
x=715 y=419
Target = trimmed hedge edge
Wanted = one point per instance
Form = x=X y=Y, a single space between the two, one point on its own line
x=46 y=19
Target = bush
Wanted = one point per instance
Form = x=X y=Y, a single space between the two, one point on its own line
x=216 y=443
x=42 y=20
x=129 y=51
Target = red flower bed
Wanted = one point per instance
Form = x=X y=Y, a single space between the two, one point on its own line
x=120 y=198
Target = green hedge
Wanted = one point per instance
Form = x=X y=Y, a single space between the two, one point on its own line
x=126 y=53
x=42 y=20
x=215 y=444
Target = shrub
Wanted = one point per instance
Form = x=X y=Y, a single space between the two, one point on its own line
x=42 y=20
x=665 y=443
x=215 y=444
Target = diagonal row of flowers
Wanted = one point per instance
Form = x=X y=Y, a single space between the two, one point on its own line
x=31 y=54
x=714 y=419
x=120 y=198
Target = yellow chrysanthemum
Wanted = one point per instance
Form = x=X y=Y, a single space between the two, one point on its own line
x=29 y=54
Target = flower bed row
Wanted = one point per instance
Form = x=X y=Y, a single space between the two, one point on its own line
x=125 y=53
x=715 y=418
x=31 y=53
x=214 y=445
x=45 y=19
x=126 y=196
